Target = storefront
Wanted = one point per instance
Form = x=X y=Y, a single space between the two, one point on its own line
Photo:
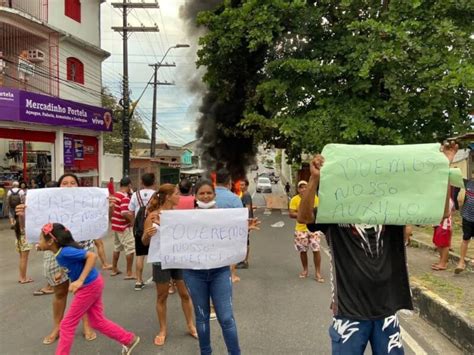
x=42 y=137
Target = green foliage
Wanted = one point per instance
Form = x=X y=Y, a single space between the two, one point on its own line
x=310 y=73
x=113 y=142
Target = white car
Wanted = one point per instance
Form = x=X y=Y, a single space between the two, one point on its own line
x=264 y=184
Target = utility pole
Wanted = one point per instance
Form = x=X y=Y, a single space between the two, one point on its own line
x=153 y=117
x=125 y=29
x=155 y=84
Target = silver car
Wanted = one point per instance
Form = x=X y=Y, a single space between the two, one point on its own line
x=264 y=184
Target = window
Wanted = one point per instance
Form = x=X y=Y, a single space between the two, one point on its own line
x=75 y=70
x=72 y=9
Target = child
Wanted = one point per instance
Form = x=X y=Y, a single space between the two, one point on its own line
x=87 y=286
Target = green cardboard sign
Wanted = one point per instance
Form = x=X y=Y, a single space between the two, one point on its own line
x=373 y=184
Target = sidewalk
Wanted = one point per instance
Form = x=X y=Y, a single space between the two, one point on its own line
x=444 y=299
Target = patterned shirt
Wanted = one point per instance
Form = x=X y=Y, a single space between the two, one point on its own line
x=468 y=207
x=119 y=223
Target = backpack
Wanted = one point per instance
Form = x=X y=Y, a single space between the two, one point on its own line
x=14 y=199
x=139 y=223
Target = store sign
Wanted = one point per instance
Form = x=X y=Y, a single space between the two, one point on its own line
x=68 y=151
x=19 y=105
x=78 y=149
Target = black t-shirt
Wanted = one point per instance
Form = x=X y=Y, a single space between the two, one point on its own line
x=247 y=202
x=370 y=278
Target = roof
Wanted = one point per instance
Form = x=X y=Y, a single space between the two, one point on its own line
x=174 y=153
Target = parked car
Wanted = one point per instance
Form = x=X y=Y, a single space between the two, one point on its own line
x=264 y=185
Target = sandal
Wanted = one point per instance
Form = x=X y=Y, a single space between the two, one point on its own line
x=27 y=281
x=458 y=270
x=303 y=274
x=319 y=279
x=42 y=292
x=92 y=336
x=159 y=340
x=48 y=340
x=438 y=268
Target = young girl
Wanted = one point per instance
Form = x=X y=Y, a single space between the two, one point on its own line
x=166 y=198
x=86 y=285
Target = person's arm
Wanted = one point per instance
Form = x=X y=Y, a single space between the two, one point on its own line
x=88 y=266
x=449 y=149
x=125 y=212
x=148 y=229
x=306 y=212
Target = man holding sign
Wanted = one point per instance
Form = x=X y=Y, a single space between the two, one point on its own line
x=370 y=278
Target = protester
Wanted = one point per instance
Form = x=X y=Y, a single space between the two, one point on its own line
x=2 y=199
x=212 y=283
x=167 y=198
x=304 y=239
x=111 y=186
x=138 y=205
x=467 y=224
x=122 y=220
x=226 y=199
x=246 y=199
x=60 y=285
x=15 y=197
x=41 y=179
x=186 y=199
x=87 y=286
x=22 y=246
x=33 y=184
x=442 y=240
x=370 y=276
x=24 y=187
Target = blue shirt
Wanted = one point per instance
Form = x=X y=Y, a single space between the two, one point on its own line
x=73 y=260
x=226 y=199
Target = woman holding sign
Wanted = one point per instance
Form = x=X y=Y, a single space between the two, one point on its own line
x=167 y=198
x=213 y=283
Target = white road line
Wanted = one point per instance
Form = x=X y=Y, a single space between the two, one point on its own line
x=412 y=343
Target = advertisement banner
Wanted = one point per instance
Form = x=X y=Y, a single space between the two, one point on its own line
x=18 y=105
x=78 y=149
x=68 y=151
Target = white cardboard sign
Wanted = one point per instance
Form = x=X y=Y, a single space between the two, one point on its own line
x=200 y=239
x=83 y=210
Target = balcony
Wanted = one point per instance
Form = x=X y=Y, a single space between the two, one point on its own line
x=35 y=8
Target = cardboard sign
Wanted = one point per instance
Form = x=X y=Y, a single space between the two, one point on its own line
x=200 y=239
x=397 y=185
x=83 y=210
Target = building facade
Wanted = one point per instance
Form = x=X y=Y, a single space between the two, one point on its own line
x=51 y=118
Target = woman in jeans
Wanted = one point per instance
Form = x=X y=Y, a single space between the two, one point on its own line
x=215 y=284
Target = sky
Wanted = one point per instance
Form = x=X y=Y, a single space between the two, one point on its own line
x=176 y=106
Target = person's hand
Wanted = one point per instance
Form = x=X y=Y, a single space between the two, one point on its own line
x=316 y=165
x=155 y=217
x=58 y=276
x=20 y=210
x=450 y=148
x=254 y=224
x=75 y=286
x=150 y=232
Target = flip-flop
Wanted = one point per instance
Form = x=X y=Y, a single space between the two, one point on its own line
x=42 y=292
x=27 y=281
x=50 y=340
x=130 y=278
x=303 y=275
x=319 y=279
x=159 y=340
x=108 y=267
x=115 y=273
x=91 y=337
x=437 y=268
x=458 y=270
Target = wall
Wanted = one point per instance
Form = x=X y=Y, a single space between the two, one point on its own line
x=111 y=167
x=68 y=90
x=89 y=27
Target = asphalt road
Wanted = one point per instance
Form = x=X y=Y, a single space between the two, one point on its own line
x=276 y=312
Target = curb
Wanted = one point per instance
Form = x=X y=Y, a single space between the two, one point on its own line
x=453 y=257
x=452 y=323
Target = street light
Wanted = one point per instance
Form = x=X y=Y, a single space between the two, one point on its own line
x=155 y=84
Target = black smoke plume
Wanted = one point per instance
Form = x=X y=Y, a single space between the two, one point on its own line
x=222 y=143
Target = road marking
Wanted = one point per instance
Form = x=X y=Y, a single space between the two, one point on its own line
x=412 y=343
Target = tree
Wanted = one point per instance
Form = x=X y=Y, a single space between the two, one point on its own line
x=113 y=142
x=344 y=71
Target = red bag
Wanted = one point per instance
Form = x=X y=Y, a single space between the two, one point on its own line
x=442 y=237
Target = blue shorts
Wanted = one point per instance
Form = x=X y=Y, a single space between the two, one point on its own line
x=349 y=336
